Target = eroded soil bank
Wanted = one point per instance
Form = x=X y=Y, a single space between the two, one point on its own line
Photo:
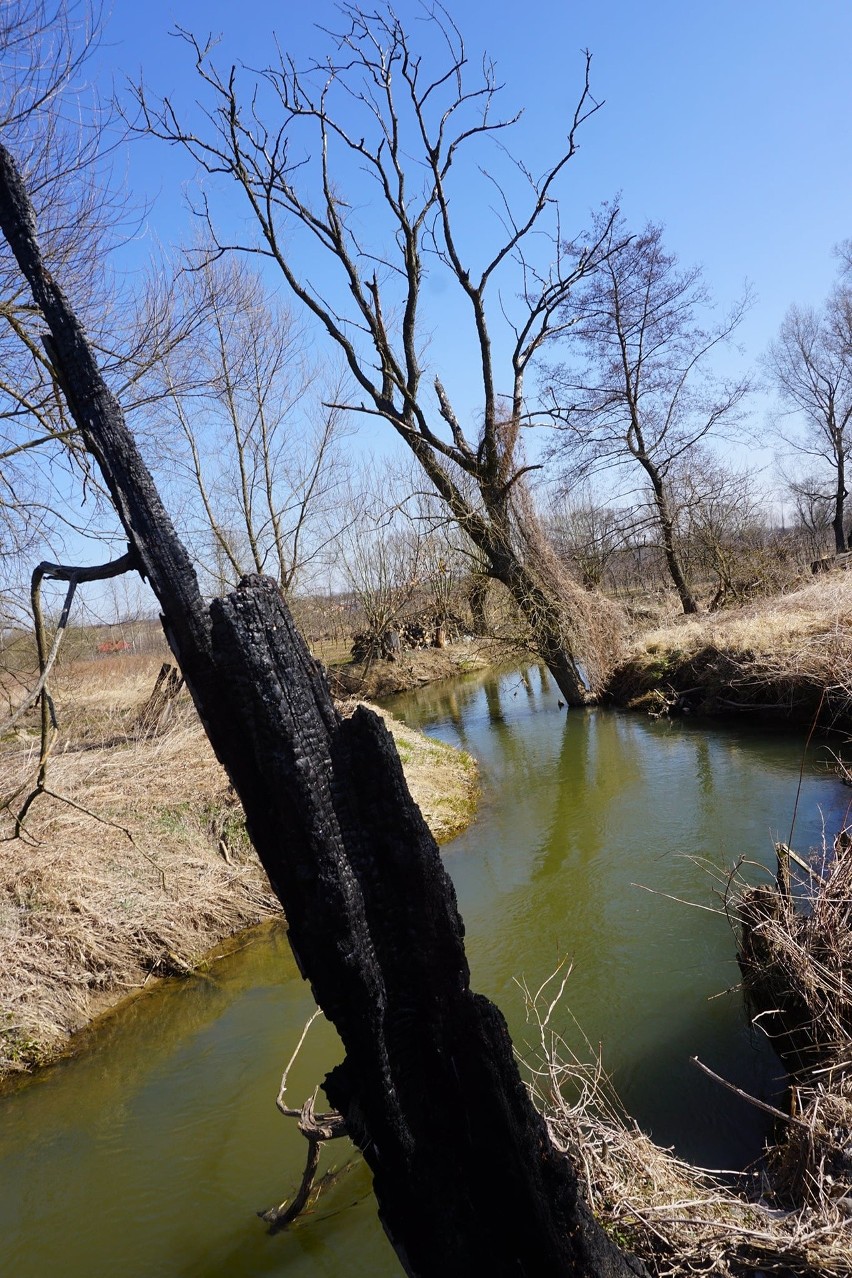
x=789 y=657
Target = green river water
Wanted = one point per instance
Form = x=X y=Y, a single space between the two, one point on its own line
x=149 y=1152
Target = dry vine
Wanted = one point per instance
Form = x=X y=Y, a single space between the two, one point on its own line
x=316 y=1128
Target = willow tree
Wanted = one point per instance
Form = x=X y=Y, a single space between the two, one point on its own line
x=357 y=173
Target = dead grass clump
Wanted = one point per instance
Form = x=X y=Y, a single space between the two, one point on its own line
x=796 y=959
x=681 y=1220
x=814 y=1164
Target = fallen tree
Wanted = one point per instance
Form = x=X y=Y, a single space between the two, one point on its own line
x=465 y=1173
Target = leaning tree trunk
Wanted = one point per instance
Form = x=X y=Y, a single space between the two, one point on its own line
x=534 y=584
x=465 y=1175
x=547 y=626
x=500 y=538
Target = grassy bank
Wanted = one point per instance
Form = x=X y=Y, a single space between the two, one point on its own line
x=789 y=656
x=135 y=863
x=414 y=669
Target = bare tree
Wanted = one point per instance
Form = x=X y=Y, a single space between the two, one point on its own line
x=813 y=511
x=371 y=122
x=810 y=363
x=52 y=117
x=720 y=521
x=262 y=454
x=640 y=392
x=43 y=47
x=587 y=533
x=381 y=555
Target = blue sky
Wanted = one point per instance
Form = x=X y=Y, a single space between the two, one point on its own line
x=729 y=123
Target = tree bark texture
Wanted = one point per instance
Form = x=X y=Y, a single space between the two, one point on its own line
x=672 y=557
x=465 y=1176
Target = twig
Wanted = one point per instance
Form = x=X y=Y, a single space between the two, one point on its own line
x=279 y=1100
x=61 y=798
x=680 y=901
x=752 y=1100
x=802 y=766
x=316 y=1128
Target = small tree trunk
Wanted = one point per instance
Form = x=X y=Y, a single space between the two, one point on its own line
x=839 y=504
x=672 y=557
x=158 y=711
x=476 y=597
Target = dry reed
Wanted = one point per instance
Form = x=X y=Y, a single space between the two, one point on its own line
x=796 y=958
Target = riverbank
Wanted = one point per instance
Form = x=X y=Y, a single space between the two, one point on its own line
x=135 y=863
x=789 y=657
x=414 y=668
x=790 y=1213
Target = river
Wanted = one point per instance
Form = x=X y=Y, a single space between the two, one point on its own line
x=149 y=1152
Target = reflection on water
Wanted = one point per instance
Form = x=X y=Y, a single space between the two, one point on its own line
x=589 y=816
x=150 y=1153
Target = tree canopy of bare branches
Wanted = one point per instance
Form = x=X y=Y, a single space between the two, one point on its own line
x=636 y=388
x=240 y=409
x=350 y=171
x=65 y=137
x=810 y=363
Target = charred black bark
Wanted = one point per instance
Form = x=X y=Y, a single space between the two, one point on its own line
x=465 y=1174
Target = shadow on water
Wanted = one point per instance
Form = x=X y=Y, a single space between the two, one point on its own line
x=151 y=1152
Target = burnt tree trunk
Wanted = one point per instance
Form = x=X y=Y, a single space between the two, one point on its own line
x=464 y=1172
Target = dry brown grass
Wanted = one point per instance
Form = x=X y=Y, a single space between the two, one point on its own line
x=782 y=624
x=681 y=1220
x=120 y=877
x=796 y=958
x=783 y=653
x=136 y=863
